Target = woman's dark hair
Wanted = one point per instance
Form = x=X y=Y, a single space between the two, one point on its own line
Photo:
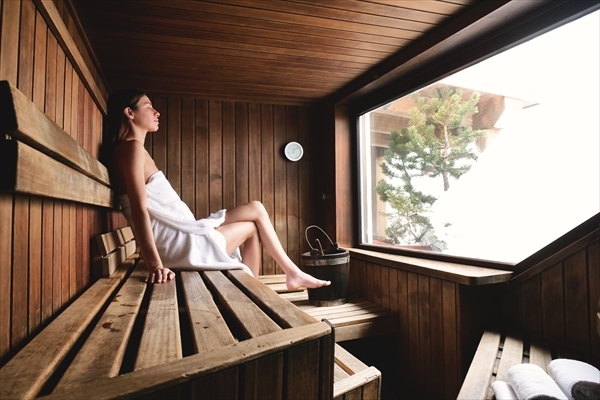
x=116 y=121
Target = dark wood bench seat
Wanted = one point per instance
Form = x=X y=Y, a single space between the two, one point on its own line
x=355 y=319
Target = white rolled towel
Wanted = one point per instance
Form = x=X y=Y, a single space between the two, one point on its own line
x=503 y=391
x=530 y=382
x=568 y=372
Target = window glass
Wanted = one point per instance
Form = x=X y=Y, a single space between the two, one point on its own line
x=493 y=162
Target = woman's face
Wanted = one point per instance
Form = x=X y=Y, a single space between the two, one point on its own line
x=144 y=116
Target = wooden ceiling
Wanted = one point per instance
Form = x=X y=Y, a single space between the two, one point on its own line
x=274 y=51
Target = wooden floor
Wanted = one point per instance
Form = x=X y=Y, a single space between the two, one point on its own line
x=355 y=319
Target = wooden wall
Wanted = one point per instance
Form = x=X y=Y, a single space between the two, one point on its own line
x=219 y=154
x=558 y=299
x=44 y=243
x=440 y=325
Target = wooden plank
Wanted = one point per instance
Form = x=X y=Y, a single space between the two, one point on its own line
x=282 y=311
x=208 y=326
x=301 y=375
x=263 y=378
x=476 y=383
x=252 y=320
x=215 y=143
x=512 y=354
x=539 y=355
x=577 y=314
x=25 y=122
x=228 y=168
x=6 y=246
x=20 y=270
x=361 y=330
x=127 y=233
x=193 y=367
x=268 y=153
x=9 y=41
x=357 y=380
x=161 y=339
x=112 y=261
x=109 y=241
x=25 y=374
x=347 y=361
x=223 y=385
x=23 y=165
x=103 y=351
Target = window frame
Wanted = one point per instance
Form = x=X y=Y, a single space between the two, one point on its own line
x=477 y=48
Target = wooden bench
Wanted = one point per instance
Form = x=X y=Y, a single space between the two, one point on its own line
x=495 y=354
x=207 y=334
x=358 y=318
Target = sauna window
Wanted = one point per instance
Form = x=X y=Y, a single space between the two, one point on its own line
x=493 y=162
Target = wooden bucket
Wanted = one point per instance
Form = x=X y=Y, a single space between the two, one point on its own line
x=330 y=265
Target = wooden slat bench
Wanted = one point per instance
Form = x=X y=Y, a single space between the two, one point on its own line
x=355 y=319
x=495 y=354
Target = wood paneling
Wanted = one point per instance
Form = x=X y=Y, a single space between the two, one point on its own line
x=220 y=154
x=439 y=324
x=558 y=303
x=45 y=257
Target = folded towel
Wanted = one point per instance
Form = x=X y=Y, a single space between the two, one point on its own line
x=503 y=391
x=530 y=382
x=586 y=391
x=567 y=373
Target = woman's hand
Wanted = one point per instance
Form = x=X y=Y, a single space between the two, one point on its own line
x=160 y=275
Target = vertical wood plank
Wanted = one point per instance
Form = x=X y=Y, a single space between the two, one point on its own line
x=268 y=184
x=424 y=335
x=35 y=263
x=174 y=143
x=159 y=138
x=220 y=386
x=215 y=142
x=241 y=154
x=450 y=336
x=187 y=153
x=413 y=327
x=47 y=257
x=576 y=304
x=50 y=90
x=294 y=236
x=26 y=49
x=304 y=176
x=228 y=154
x=6 y=246
x=552 y=298
x=39 y=61
x=20 y=270
x=377 y=283
x=255 y=154
x=202 y=159
x=301 y=374
x=436 y=321
x=58 y=265
x=279 y=178
x=263 y=378
x=9 y=41
x=532 y=306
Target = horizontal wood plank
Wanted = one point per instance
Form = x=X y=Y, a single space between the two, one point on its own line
x=27 y=170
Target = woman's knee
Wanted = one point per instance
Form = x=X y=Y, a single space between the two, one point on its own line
x=258 y=208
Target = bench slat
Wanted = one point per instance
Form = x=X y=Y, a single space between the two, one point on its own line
x=161 y=339
x=102 y=354
x=477 y=381
x=26 y=373
x=109 y=242
x=282 y=311
x=539 y=355
x=361 y=378
x=252 y=320
x=208 y=326
x=512 y=354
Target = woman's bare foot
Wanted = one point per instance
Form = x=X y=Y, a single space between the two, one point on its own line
x=303 y=279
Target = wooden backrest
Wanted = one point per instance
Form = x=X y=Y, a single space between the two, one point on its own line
x=113 y=249
x=41 y=159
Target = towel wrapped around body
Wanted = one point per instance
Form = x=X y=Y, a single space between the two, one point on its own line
x=183 y=242
x=569 y=373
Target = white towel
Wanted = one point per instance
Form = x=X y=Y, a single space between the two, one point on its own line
x=530 y=382
x=182 y=241
x=503 y=391
x=567 y=373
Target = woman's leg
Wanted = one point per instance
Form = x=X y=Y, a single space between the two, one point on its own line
x=238 y=229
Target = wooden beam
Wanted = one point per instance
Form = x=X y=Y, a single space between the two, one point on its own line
x=26 y=170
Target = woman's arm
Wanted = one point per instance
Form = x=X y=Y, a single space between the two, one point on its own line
x=130 y=158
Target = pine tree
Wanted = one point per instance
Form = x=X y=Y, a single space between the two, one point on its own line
x=436 y=143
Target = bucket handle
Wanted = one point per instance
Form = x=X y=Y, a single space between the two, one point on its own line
x=333 y=245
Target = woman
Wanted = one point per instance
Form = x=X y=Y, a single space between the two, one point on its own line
x=165 y=229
